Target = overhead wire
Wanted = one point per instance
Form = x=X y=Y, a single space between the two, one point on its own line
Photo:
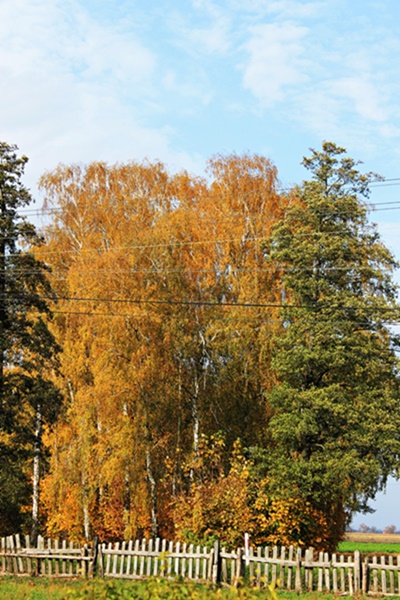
x=393 y=181
x=208 y=303
x=219 y=270
x=181 y=243
x=155 y=317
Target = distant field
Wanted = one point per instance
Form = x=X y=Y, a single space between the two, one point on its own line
x=371 y=543
x=380 y=538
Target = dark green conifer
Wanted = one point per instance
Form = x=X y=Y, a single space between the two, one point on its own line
x=336 y=424
x=27 y=349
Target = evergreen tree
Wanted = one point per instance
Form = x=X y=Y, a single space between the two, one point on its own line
x=336 y=423
x=27 y=350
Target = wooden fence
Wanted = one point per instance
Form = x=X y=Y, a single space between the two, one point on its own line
x=285 y=568
x=49 y=558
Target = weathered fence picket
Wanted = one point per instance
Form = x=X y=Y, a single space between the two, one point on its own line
x=147 y=559
x=286 y=568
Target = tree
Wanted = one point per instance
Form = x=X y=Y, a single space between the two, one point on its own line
x=336 y=424
x=27 y=398
x=140 y=261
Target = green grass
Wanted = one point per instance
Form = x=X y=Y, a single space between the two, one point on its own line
x=369 y=547
x=12 y=588
x=153 y=589
x=35 y=589
x=312 y=596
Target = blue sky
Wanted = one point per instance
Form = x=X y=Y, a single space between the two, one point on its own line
x=114 y=80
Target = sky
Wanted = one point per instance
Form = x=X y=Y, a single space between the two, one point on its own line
x=180 y=81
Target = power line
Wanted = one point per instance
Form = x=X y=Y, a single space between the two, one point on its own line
x=209 y=303
x=370 y=205
x=219 y=270
x=394 y=181
x=155 y=317
x=181 y=243
x=169 y=244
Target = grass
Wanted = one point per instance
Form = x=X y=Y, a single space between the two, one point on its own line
x=153 y=589
x=35 y=589
x=369 y=548
x=371 y=543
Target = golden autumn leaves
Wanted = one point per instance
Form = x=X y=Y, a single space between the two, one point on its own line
x=142 y=264
x=194 y=406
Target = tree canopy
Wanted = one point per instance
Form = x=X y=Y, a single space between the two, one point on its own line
x=26 y=345
x=227 y=362
x=336 y=421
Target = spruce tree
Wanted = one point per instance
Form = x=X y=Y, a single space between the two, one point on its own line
x=27 y=350
x=336 y=424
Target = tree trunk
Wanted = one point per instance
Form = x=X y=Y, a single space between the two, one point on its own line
x=152 y=482
x=85 y=508
x=3 y=311
x=196 y=421
x=37 y=448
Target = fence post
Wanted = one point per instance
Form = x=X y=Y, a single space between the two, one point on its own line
x=95 y=553
x=309 y=572
x=39 y=545
x=100 y=560
x=298 y=586
x=216 y=564
x=365 y=576
x=84 y=565
x=239 y=567
x=357 y=571
x=3 y=552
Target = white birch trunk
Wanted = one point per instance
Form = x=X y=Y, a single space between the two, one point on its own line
x=36 y=472
x=152 y=482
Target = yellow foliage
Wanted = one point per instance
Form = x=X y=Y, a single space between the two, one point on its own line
x=144 y=375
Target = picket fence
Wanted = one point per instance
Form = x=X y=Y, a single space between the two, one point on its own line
x=285 y=568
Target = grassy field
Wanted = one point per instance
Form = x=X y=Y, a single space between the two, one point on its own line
x=42 y=589
x=371 y=543
x=381 y=538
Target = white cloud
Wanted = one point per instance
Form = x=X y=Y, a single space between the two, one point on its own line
x=57 y=38
x=102 y=52
x=276 y=61
x=76 y=89
x=363 y=94
x=332 y=82
x=115 y=80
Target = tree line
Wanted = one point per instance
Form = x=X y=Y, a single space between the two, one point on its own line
x=195 y=356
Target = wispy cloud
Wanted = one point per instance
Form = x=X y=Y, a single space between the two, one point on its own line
x=319 y=75
x=205 y=29
x=363 y=96
x=114 y=80
x=75 y=88
x=275 y=61
x=292 y=8
x=46 y=37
